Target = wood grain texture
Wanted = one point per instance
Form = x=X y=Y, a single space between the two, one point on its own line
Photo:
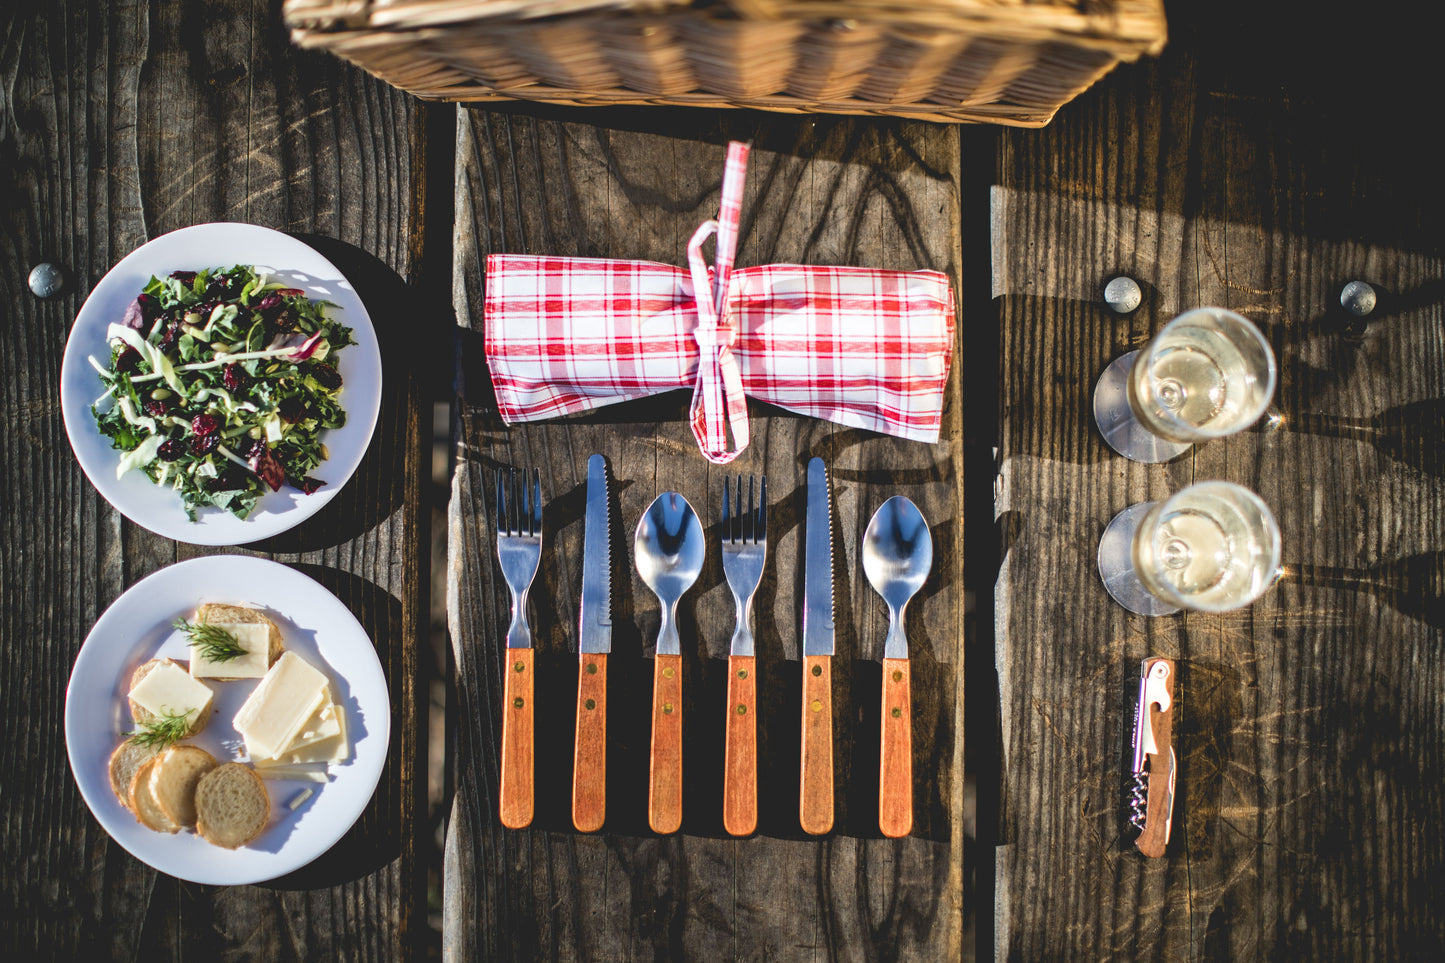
x=664 y=773
x=621 y=184
x=516 y=790
x=1308 y=775
x=740 y=747
x=589 y=757
x=121 y=121
x=815 y=776
x=895 y=754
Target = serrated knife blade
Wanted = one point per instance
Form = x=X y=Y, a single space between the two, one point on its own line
x=818 y=562
x=594 y=631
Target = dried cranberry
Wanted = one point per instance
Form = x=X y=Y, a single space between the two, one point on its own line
x=186 y=276
x=229 y=480
x=156 y=409
x=234 y=377
x=291 y=410
x=270 y=301
x=126 y=361
x=170 y=336
x=250 y=447
x=269 y=468
x=326 y=376
x=205 y=425
x=171 y=449
x=205 y=444
x=307 y=484
x=284 y=320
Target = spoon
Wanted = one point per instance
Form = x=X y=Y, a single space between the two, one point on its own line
x=669 y=551
x=897 y=556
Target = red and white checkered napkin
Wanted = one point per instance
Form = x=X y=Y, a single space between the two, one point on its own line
x=865 y=348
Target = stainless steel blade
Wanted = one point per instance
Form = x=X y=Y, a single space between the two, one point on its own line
x=594 y=630
x=818 y=565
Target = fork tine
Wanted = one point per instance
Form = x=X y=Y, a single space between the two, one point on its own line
x=748 y=536
x=727 y=526
x=536 y=502
x=763 y=511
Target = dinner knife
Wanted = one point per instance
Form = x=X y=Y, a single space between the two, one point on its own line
x=815 y=804
x=594 y=641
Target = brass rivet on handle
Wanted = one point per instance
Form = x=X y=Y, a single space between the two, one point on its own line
x=667 y=672
x=519 y=703
x=897 y=675
x=742 y=673
x=591 y=703
x=817 y=670
x=897 y=712
x=667 y=708
x=817 y=706
x=742 y=710
x=519 y=667
x=591 y=668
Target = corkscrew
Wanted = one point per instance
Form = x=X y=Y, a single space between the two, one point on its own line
x=1151 y=788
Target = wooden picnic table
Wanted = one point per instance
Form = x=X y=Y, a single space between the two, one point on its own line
x=1308 y=725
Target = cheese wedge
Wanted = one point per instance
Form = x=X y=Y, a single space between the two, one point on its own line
x=254 y=637
x=290 y=694
x=169 y=690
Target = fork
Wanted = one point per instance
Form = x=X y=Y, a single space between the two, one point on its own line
x=744 y=550
x=519 y=548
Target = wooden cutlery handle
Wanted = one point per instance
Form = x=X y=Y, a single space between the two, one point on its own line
x=740 y=753
x=664 y=801
x=589 y=760
x=895 y=783
x=516 y=789
x=815 y=802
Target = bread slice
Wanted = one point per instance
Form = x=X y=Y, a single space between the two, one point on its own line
x=217 y=612
x=144 y=804
x=127 y=758
x=232 y=806
x=173 y=781
x=144 y=716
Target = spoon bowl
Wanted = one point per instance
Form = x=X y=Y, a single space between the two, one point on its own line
x=897 y=557
x=669 y=549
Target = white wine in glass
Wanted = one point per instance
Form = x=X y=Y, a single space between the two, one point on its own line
x=1207 y=373
x=1211 y=547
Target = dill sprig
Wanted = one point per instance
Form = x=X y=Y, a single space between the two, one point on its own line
x=214 y=642
x=163 y=731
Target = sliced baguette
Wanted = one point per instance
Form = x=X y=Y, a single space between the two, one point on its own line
x=144 y=716
x=173 y=781
x=232 y=806
x=127 y=758
x=143 y=802
x=217 y=612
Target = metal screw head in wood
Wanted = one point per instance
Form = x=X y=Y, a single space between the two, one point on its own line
x=46 y=280
x=1358 y=298
x=1123 y=295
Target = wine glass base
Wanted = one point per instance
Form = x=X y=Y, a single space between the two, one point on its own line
x=1121 y=430
x=1116 y=564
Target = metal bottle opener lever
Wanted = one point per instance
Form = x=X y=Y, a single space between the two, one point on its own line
x=1151 y=794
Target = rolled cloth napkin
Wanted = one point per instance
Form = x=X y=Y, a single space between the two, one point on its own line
x=856 y=346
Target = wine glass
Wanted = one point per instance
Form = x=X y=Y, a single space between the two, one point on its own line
x=1207 y=373
x=1211 y=547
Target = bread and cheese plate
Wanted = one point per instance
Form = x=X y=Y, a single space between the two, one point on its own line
x=189 y=385
x=316 y=724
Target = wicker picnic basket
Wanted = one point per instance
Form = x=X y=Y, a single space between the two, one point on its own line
x=1000 y=61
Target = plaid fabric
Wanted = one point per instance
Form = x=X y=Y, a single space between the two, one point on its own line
x=856 y=346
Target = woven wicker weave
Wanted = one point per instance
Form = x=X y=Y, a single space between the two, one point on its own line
x=998 y=61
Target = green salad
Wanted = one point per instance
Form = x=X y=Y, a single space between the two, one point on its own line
x=219 y=386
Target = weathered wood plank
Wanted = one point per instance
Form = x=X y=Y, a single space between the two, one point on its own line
x=836 y=192
x=1310 y=764
x=122 y=121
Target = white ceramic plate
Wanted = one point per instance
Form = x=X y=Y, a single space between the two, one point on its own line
x=315 y=625
x=191 y=249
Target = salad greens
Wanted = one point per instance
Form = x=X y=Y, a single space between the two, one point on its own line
x=220 y=384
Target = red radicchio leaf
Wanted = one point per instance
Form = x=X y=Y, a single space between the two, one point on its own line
x=135 y=315
x=268 y=468
x=307 y=348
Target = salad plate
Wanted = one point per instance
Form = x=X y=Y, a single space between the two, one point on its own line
x=316 y=626
x=282 y=260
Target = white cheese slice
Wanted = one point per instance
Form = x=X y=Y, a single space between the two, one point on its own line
x=254 y=637
x=300 y=775
x=169 y=690
x=325 y=724
x=288 y=696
